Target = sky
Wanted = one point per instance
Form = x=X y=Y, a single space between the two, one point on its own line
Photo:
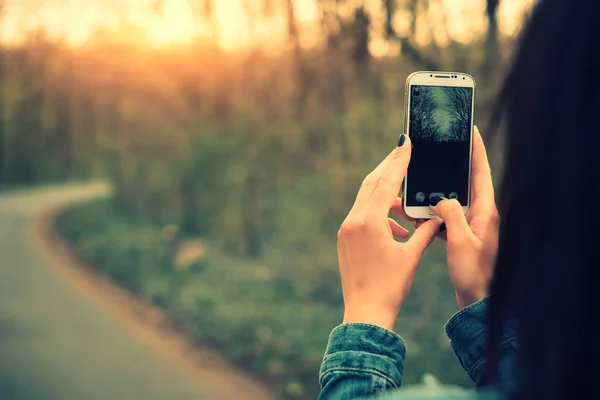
x=441 y=114
x=175 y=22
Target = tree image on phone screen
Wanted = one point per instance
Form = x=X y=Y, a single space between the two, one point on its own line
x=440 y=129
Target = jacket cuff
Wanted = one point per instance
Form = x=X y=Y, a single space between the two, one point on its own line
x=467 y=333
x=358 y=347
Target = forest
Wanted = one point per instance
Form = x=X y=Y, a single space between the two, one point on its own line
x=440 y=114
x=232 y=168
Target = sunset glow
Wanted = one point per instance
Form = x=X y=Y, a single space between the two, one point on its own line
x=234 y=24
x=174 y=24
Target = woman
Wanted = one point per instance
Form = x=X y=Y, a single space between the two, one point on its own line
x=528 y=332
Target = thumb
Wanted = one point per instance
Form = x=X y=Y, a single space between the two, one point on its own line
x=451 y=212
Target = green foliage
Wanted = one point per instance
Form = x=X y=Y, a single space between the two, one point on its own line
x=132 y=258
x=270 y=316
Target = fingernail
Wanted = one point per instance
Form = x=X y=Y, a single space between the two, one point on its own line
x=401 y=140
x=443 y=227
x=434 y=200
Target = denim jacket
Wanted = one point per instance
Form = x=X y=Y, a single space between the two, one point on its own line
x=365 y=361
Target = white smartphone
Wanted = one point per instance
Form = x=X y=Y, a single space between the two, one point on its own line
x=439 y=121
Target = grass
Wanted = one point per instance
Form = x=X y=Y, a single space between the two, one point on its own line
x=271 y=317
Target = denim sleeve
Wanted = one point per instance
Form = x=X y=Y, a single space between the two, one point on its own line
x=467 y=333
x=361 y=361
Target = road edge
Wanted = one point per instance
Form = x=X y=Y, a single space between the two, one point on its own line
x=140 y=318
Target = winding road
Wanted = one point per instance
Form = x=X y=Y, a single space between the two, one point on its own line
x=58 y=342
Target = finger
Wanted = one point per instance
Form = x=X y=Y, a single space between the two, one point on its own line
x=398 y=230
x=482 y=185
x=386 y=192
x=442 y=235
x=424 y=235
x=370 y=183
x=451 y=212
x=399 y=210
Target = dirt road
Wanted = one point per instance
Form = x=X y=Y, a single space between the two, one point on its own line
x=62 y=337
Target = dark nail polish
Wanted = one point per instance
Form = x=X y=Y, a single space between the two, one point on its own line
x=435 y=200
x=401 y=140
x=443 y=227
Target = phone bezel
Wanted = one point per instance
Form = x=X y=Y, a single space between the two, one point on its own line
x=436 y=78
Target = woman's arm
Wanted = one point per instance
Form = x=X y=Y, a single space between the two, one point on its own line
x=471 y=248
x=364 y=357
x=361 y=360
x=471 y=240
x=365 y=360
x=467 y=333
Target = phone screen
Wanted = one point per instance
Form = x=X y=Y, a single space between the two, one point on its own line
x=440 y=130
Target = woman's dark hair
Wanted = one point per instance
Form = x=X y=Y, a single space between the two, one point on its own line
x=547 y=276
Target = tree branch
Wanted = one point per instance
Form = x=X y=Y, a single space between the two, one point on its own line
x=407 y=48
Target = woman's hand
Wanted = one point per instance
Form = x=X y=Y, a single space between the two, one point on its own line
x=472 y=240
x=377 y=271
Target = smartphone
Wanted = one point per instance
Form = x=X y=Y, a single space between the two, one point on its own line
x=439 y=121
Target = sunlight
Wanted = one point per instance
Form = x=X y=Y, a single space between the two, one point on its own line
x=238 y=24
x=232 y=24
x=174 y=25
x=307 y=11
x=508 y=24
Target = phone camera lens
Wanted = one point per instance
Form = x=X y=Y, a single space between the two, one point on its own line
x=430 y=75
x=463 y=78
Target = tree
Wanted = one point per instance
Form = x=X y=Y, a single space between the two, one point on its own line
x=408 y=49
x=4 y=148
x=360 y=32
x=302 y=73
x=492 y=37
x=422 y=106
x=459 y=101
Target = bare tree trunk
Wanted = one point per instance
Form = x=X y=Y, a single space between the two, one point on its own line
x=4 y=151
x=491 y=59
x=407 y=48
x=303 y=80
x=360 y=33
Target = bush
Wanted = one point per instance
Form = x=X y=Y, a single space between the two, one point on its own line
x=270 y=316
